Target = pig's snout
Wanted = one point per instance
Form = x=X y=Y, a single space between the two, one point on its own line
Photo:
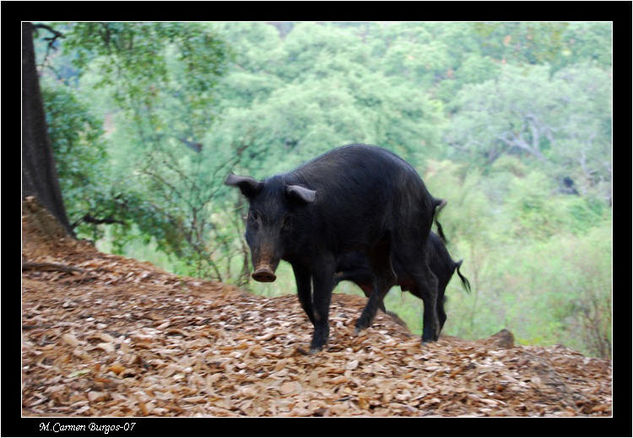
x=264 y=274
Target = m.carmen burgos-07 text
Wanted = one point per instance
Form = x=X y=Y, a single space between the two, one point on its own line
x=90 y=427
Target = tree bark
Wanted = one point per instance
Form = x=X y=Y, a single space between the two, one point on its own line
x=39 y=172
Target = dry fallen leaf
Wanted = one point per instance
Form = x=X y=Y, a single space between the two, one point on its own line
x=94 y=396
x=70 y=339
x=116 y=368
x=106 y=346
x=351 y=365
x=363 y=402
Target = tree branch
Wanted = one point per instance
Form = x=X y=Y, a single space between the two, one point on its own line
x=56 y=33
x=513 y=140
x=164 y=183
x=51 y=41
x=88 y=218
x=34 y=266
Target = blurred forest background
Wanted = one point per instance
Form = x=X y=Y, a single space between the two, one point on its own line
x=509 y=122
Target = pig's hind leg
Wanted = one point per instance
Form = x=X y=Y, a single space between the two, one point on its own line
x=424 y=285
x=426 y=288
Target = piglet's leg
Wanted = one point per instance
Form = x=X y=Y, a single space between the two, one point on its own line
x=384 y=278
x=374 y=303
x=368 y=289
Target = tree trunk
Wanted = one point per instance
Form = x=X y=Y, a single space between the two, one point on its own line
x=39 y=172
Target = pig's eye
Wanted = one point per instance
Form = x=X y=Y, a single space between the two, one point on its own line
x=253 y=217
x=286 y=224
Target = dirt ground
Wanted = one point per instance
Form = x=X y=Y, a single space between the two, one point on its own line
x=103 y=335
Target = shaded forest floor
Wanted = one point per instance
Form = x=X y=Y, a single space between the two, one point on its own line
x=104 y=335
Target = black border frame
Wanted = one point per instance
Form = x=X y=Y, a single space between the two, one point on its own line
x=618 y=12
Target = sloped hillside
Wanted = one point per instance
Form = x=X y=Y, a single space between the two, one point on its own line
x=104 y=335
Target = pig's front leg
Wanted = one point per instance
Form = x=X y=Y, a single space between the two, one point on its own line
x=323 y=283
x=304 y=289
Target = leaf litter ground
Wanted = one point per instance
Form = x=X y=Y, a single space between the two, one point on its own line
x=104 y=335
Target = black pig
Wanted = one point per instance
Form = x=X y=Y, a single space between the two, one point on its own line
x=355 y=267
x=352 y=198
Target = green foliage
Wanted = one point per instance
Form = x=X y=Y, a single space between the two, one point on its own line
x=587 y=42
x=293 y=109
x=161 y=74
x=509 y=122
x=476 y=69
x=532 y=43
x=79 y=149
x=562 y=122
x=565 y=294
x=159 y=81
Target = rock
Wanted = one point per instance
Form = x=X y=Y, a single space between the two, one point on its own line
x=503 y=339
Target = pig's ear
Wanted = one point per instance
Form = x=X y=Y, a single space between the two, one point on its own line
x=300 y=193
x=247 y=185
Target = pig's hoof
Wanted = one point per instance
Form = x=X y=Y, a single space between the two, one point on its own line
x=315 y=347
x=314 y=350
x=360 y=326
